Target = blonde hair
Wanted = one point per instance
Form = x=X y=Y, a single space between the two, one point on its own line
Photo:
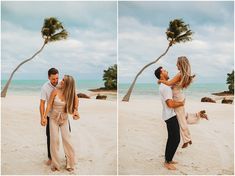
x=185 y=72
x=69 y=92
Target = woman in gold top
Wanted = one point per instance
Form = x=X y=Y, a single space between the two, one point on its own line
x=63 y=101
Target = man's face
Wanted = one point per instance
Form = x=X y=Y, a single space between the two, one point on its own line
x=164 y=74
x=54 y=79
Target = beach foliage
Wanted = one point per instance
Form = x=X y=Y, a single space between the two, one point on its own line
x=110 y=78
x=230 y=81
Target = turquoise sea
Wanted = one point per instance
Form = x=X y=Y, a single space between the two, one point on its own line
x=33 y=87
x=149 y=90
x=141 y=90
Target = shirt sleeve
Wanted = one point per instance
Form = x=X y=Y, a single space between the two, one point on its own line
x=43 y=94
x=167 y=93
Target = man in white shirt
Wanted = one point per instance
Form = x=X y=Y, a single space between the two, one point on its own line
x=169 y=117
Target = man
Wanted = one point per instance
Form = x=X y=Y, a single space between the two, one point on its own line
x=47 y=88
x=169 y=117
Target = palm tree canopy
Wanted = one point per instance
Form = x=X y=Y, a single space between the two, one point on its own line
x=53 y=30
x=178 y=31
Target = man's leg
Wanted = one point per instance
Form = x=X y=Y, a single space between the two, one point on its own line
x=48 y=140
x=173 y=138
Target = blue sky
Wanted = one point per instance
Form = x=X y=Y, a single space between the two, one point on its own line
x=142 y=27
x=90 y=48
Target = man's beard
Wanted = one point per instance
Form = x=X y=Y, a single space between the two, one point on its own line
x=55 y=84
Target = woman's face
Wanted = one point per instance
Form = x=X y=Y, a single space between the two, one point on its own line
x=177 y=65
x=62 y=83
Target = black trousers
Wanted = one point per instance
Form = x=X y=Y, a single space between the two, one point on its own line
x=48 y=137
x=173 y=139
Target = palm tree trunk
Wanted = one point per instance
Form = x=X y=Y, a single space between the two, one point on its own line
x=4 y=91
x=128 y=94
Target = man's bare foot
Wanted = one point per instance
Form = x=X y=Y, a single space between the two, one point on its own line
x=173 y=162
x=48 y=162
x=169 y=166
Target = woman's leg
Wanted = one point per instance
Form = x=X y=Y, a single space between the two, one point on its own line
x=184 y=130
x=192 y=118
x=67 y=143
x=54 y=146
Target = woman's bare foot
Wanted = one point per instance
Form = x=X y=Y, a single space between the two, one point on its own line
x=54 y=169
x=169 y=166
x=186 y=144
x=70 y=169
x=203 y=114
x=48 y=162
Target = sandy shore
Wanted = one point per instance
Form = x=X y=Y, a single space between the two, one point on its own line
x=143 y=135
x=23 y=140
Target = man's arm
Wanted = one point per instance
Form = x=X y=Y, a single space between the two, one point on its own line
x=42 y=107
x=174 y=104
x=42 y=110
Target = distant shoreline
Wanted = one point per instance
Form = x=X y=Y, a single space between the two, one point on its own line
x=224 y=93
x=103 y=90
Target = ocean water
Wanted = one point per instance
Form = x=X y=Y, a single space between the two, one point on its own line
x=141 y=90
x=149 y=90
x=33 y=87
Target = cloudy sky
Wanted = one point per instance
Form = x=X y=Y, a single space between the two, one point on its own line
x=90 y=48
x=142 y=27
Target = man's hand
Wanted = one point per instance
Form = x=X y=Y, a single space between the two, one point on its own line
x=43 y=121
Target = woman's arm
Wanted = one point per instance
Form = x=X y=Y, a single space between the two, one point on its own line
x=171 y=82
x=50 y=102
x=75 y=112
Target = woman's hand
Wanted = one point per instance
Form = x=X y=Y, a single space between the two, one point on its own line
x=43 y=121
x=76 y=115
x=159 y=82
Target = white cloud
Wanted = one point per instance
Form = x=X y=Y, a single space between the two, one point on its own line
x=84 y=52
x=210 y=52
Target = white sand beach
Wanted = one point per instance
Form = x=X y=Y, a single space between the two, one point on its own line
x=24 y=139
x=143 y=135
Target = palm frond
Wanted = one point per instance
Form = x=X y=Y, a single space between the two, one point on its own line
x=59 y=36
x=178 y=31
x=53 y=30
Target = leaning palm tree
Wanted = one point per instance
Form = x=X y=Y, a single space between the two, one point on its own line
x=52 y=30
x=177 y=32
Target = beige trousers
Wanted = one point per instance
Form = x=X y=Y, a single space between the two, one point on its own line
x=67 y=143
x=183 y=118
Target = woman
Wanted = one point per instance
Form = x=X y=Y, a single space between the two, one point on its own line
x=63 y=101
x=181 y=81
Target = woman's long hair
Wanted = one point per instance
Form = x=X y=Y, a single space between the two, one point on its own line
x=69 y=92
x=185 y=72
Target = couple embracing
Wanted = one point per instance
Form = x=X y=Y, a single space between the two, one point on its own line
x=173 y=113
x=61 y=100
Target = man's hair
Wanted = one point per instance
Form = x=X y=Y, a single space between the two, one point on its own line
x=158 y=72
x=52 y=71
